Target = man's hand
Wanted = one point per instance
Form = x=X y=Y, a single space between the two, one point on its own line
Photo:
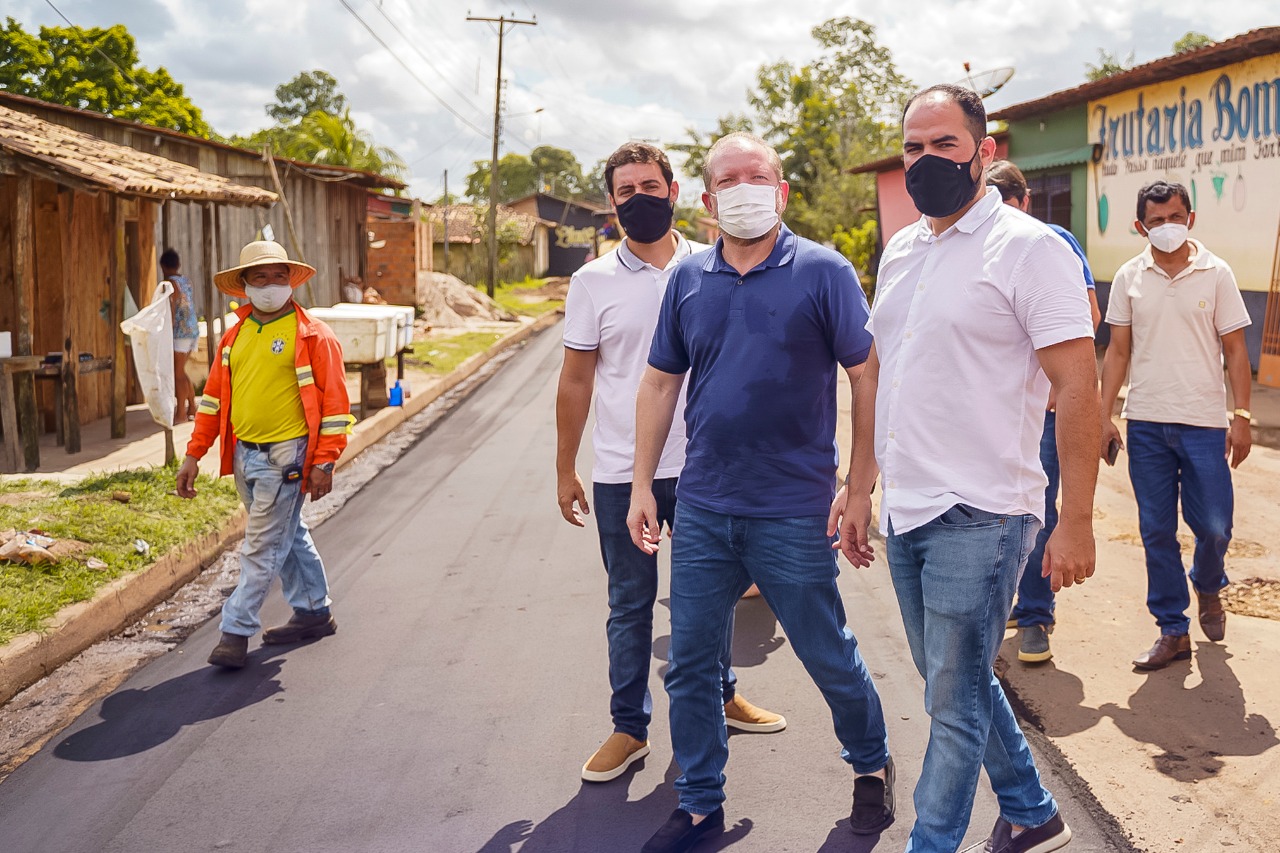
x=186 y=481
x=642 y=521
x=1069 y=555
x=319 y=483
x=569 y=491
x=1239 y=441
x=1110 y=432
x=854 y=525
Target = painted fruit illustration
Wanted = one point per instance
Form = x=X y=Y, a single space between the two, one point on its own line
x=1104 y=210
x=1193 y=194
x=1237 y=193
x=1219 y=181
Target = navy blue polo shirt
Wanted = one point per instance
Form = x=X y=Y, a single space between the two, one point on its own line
x=762 y=351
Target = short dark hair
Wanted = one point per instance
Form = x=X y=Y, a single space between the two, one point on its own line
x=637 y=152
x=1008 y=179
x=169 y=259
x=1160 y=192
x=969 y=102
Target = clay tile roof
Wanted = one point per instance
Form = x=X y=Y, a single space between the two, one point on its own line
x=77 y=159
x=1254 y=43
x=467 y=222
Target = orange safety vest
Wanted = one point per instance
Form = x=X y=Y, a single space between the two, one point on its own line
x=321 y=384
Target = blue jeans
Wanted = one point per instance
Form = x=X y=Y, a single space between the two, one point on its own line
x=955 y=577
x=714 y=559
x=1035 y=594
x=633 y=589
x=276 y=539
x=1165 y=460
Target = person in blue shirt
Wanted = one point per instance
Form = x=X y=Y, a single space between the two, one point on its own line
x=1034 y=612
x=761 y=322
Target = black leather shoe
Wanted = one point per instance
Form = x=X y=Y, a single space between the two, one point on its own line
x=1053 y=834
x=299 y=628
x=1213 y=618
x=679 y=834
x=231 y=652
x=873 y=803
x=1169 y=648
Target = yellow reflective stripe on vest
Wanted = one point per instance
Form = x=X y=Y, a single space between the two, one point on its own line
x=305 y=377
x=337 y=425
x=209 y=405
x=226 y=356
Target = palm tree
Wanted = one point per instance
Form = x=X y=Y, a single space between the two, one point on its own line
x=336 y=141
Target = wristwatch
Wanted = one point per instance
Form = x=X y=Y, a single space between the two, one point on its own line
x=326 y=467
x=1243 y=413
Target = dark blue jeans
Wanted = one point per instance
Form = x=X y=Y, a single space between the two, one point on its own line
x=1035 y=595
x=714 y=559
x=633 y=590
x=1165 y=461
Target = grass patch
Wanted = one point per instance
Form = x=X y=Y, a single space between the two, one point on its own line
x=442 y=355
x=523 y=297
x=86 y=512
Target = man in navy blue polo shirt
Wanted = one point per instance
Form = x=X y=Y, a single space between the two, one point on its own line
x=761 y=323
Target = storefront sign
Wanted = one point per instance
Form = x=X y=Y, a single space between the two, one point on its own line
x=1218 y=134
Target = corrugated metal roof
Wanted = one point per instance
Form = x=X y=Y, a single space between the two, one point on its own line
x=1250 y=45
x=1053 y=159
x=79 y=159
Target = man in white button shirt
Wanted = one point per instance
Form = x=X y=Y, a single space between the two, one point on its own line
x=978 y=312
x=610 y=315
x=1176 y=314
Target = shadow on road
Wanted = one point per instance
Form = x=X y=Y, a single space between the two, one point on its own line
x=842 y=840
x=136 y=720
x=600 y=817
x=1195 y=726
x=755 y=635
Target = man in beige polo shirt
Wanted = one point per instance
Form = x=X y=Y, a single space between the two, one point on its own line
x=1176 y=315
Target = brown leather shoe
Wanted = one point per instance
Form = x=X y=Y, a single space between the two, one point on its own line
x=1169 y=648
x=231 y=652
x=1213 y=619
x=299 y=628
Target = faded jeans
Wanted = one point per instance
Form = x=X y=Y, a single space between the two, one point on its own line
x=955 y=577
x=276 y=539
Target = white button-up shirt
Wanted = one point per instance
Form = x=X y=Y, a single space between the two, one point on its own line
x=957 y=320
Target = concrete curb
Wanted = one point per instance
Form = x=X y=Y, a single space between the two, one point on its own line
x=29 y=657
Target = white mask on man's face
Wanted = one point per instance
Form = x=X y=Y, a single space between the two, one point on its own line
x=747 y=211
x=1168 y=237
x=270 y=297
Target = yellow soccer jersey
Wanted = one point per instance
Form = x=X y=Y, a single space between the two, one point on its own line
x=265 y=403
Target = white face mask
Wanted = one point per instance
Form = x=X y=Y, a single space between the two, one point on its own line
x=747 y=211
x=1168 y=237
x=269 y=298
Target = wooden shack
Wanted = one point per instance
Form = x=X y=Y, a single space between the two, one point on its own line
x=78 y=224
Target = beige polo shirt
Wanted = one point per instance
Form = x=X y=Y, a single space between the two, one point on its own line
x=1175 y=372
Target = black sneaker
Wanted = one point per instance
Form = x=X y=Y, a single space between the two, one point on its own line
x=1053 y=834
x=1034 y=645
x=873 y=803
x=679 y=834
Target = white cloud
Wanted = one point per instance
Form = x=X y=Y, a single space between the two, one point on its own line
x=602 y=73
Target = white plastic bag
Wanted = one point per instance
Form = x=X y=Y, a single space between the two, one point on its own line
x=150 y=334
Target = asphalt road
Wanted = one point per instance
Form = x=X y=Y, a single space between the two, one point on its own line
x=464 y=689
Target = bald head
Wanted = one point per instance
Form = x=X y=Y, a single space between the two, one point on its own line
x=738 y=141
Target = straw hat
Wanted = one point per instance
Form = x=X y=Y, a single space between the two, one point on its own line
x=256 y=254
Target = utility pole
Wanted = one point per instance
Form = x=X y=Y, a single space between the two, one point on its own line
x=502 y=23
x=447 y=205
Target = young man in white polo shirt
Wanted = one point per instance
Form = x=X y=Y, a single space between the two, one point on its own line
x=1176 y=314
x=610 y=315
x=978 y=313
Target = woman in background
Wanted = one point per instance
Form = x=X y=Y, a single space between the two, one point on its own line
x=185 y=334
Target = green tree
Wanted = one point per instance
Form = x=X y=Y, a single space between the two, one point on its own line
x=546 y=169
x=695 y=150
x=1109 y=64
x=95 y=69
x=335 y=140
x=307 y=93
x=1192 y=41
x=559 y=172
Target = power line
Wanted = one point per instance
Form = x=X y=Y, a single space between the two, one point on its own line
x=99 y=50
x=411 y=73
x=465 y=97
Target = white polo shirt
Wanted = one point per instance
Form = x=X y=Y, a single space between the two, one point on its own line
x=1175 y=372
x=612 y=307
x=957 y=320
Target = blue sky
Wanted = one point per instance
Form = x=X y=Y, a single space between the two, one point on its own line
x=601 y=73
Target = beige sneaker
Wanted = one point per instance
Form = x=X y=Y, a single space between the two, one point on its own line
x=742 y=715
x=613 y=757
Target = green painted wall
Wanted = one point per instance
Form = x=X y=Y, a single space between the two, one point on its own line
x=1057 y=131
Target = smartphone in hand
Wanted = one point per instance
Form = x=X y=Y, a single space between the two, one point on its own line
x=1113 y=450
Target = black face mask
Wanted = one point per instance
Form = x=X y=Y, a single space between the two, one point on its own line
x=939 y=187
x=646 y=218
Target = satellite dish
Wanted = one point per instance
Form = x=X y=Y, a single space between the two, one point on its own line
x=985 y=82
